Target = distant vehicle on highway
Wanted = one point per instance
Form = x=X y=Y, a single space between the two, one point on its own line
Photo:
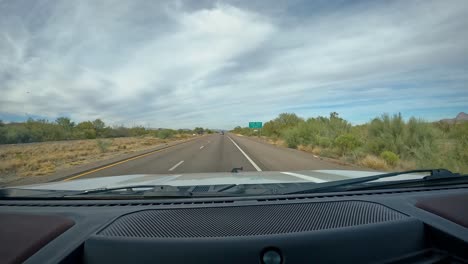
x=222 y=132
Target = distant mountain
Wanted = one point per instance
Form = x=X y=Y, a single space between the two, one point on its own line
x=461 y=117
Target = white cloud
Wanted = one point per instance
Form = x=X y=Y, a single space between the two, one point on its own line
x=219 y=65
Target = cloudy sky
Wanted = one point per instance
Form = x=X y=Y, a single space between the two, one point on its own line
x=221 y=64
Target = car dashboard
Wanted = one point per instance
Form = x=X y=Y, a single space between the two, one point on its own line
x=412 y=225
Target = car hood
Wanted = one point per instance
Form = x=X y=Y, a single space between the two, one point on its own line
x=216 y=178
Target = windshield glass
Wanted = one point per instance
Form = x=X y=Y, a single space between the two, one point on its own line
x=103 y=94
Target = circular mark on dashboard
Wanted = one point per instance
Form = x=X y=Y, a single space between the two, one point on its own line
x=271 y=256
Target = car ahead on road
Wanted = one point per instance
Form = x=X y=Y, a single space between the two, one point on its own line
x=322 y=216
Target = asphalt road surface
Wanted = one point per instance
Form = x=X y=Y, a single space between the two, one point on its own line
x=219 y=153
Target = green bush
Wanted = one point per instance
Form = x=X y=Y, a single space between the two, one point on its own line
x=292 y=137
x=324 y=142
x=385 y=139
x=390 y=157
x=277 y=126
x=137 y=131
x=245 y=131
x=64 y=129
x=329 y=153
x=346 y=143
x=165 y=133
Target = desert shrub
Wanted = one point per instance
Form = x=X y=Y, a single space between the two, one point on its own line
x=346 y=143
x=385 y=141
x=165 y=133
x=63 y=128
x=373 y=162
x=277 y=126
x=103 y=145
x=245 y=131
x=390 y=157
x=292 y=137
x=323 y=142
x=329 y=153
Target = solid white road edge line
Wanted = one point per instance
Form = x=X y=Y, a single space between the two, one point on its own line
x=177 y=165
x=248 y=158
x=305 y=177
x=202 y=147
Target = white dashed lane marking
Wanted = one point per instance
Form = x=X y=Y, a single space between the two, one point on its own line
x=177 y=165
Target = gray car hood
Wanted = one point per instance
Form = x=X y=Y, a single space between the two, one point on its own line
x=316 y=176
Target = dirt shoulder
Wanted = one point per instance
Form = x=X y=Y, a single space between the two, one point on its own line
x=311 y=151
x=54 y=160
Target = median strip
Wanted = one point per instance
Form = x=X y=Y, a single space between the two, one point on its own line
x=248 y=158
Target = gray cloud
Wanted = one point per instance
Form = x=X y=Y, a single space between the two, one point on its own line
x=221 y=64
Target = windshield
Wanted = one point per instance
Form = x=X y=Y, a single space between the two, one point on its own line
x=216 y=96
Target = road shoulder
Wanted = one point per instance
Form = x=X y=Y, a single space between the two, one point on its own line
x=276 y=158
x=76 y=170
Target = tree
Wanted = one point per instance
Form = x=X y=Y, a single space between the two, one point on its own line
x=198 y=130
x=288 y=120
x=65 y=122
x=99 y=127
x=98 y=124
x=284 y=121
x=85 y=125
x=86 y=130
x=3 y=132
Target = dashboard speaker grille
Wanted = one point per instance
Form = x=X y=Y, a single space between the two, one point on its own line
x=248 y=220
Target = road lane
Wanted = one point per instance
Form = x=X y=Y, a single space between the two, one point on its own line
x=219 y=153
x=216 y=155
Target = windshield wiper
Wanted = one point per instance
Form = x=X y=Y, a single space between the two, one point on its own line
x=434 y=175
x=152 y=191
x=145 y=191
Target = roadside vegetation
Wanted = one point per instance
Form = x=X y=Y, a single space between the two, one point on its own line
x=47 y=157
x=63 y=144
x=64 y=128
x=387 y=142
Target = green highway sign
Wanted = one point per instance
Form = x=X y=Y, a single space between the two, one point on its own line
x=255 y=124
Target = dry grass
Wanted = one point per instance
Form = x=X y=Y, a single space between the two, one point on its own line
x=406 y=165
x=305 y=148
x=277 y=142
x=311 y=149
x=373 y=162
x=45 y=158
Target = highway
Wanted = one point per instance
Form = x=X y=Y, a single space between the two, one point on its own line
x=216 y=153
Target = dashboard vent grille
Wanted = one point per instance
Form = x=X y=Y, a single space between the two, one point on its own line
x=248 y=220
